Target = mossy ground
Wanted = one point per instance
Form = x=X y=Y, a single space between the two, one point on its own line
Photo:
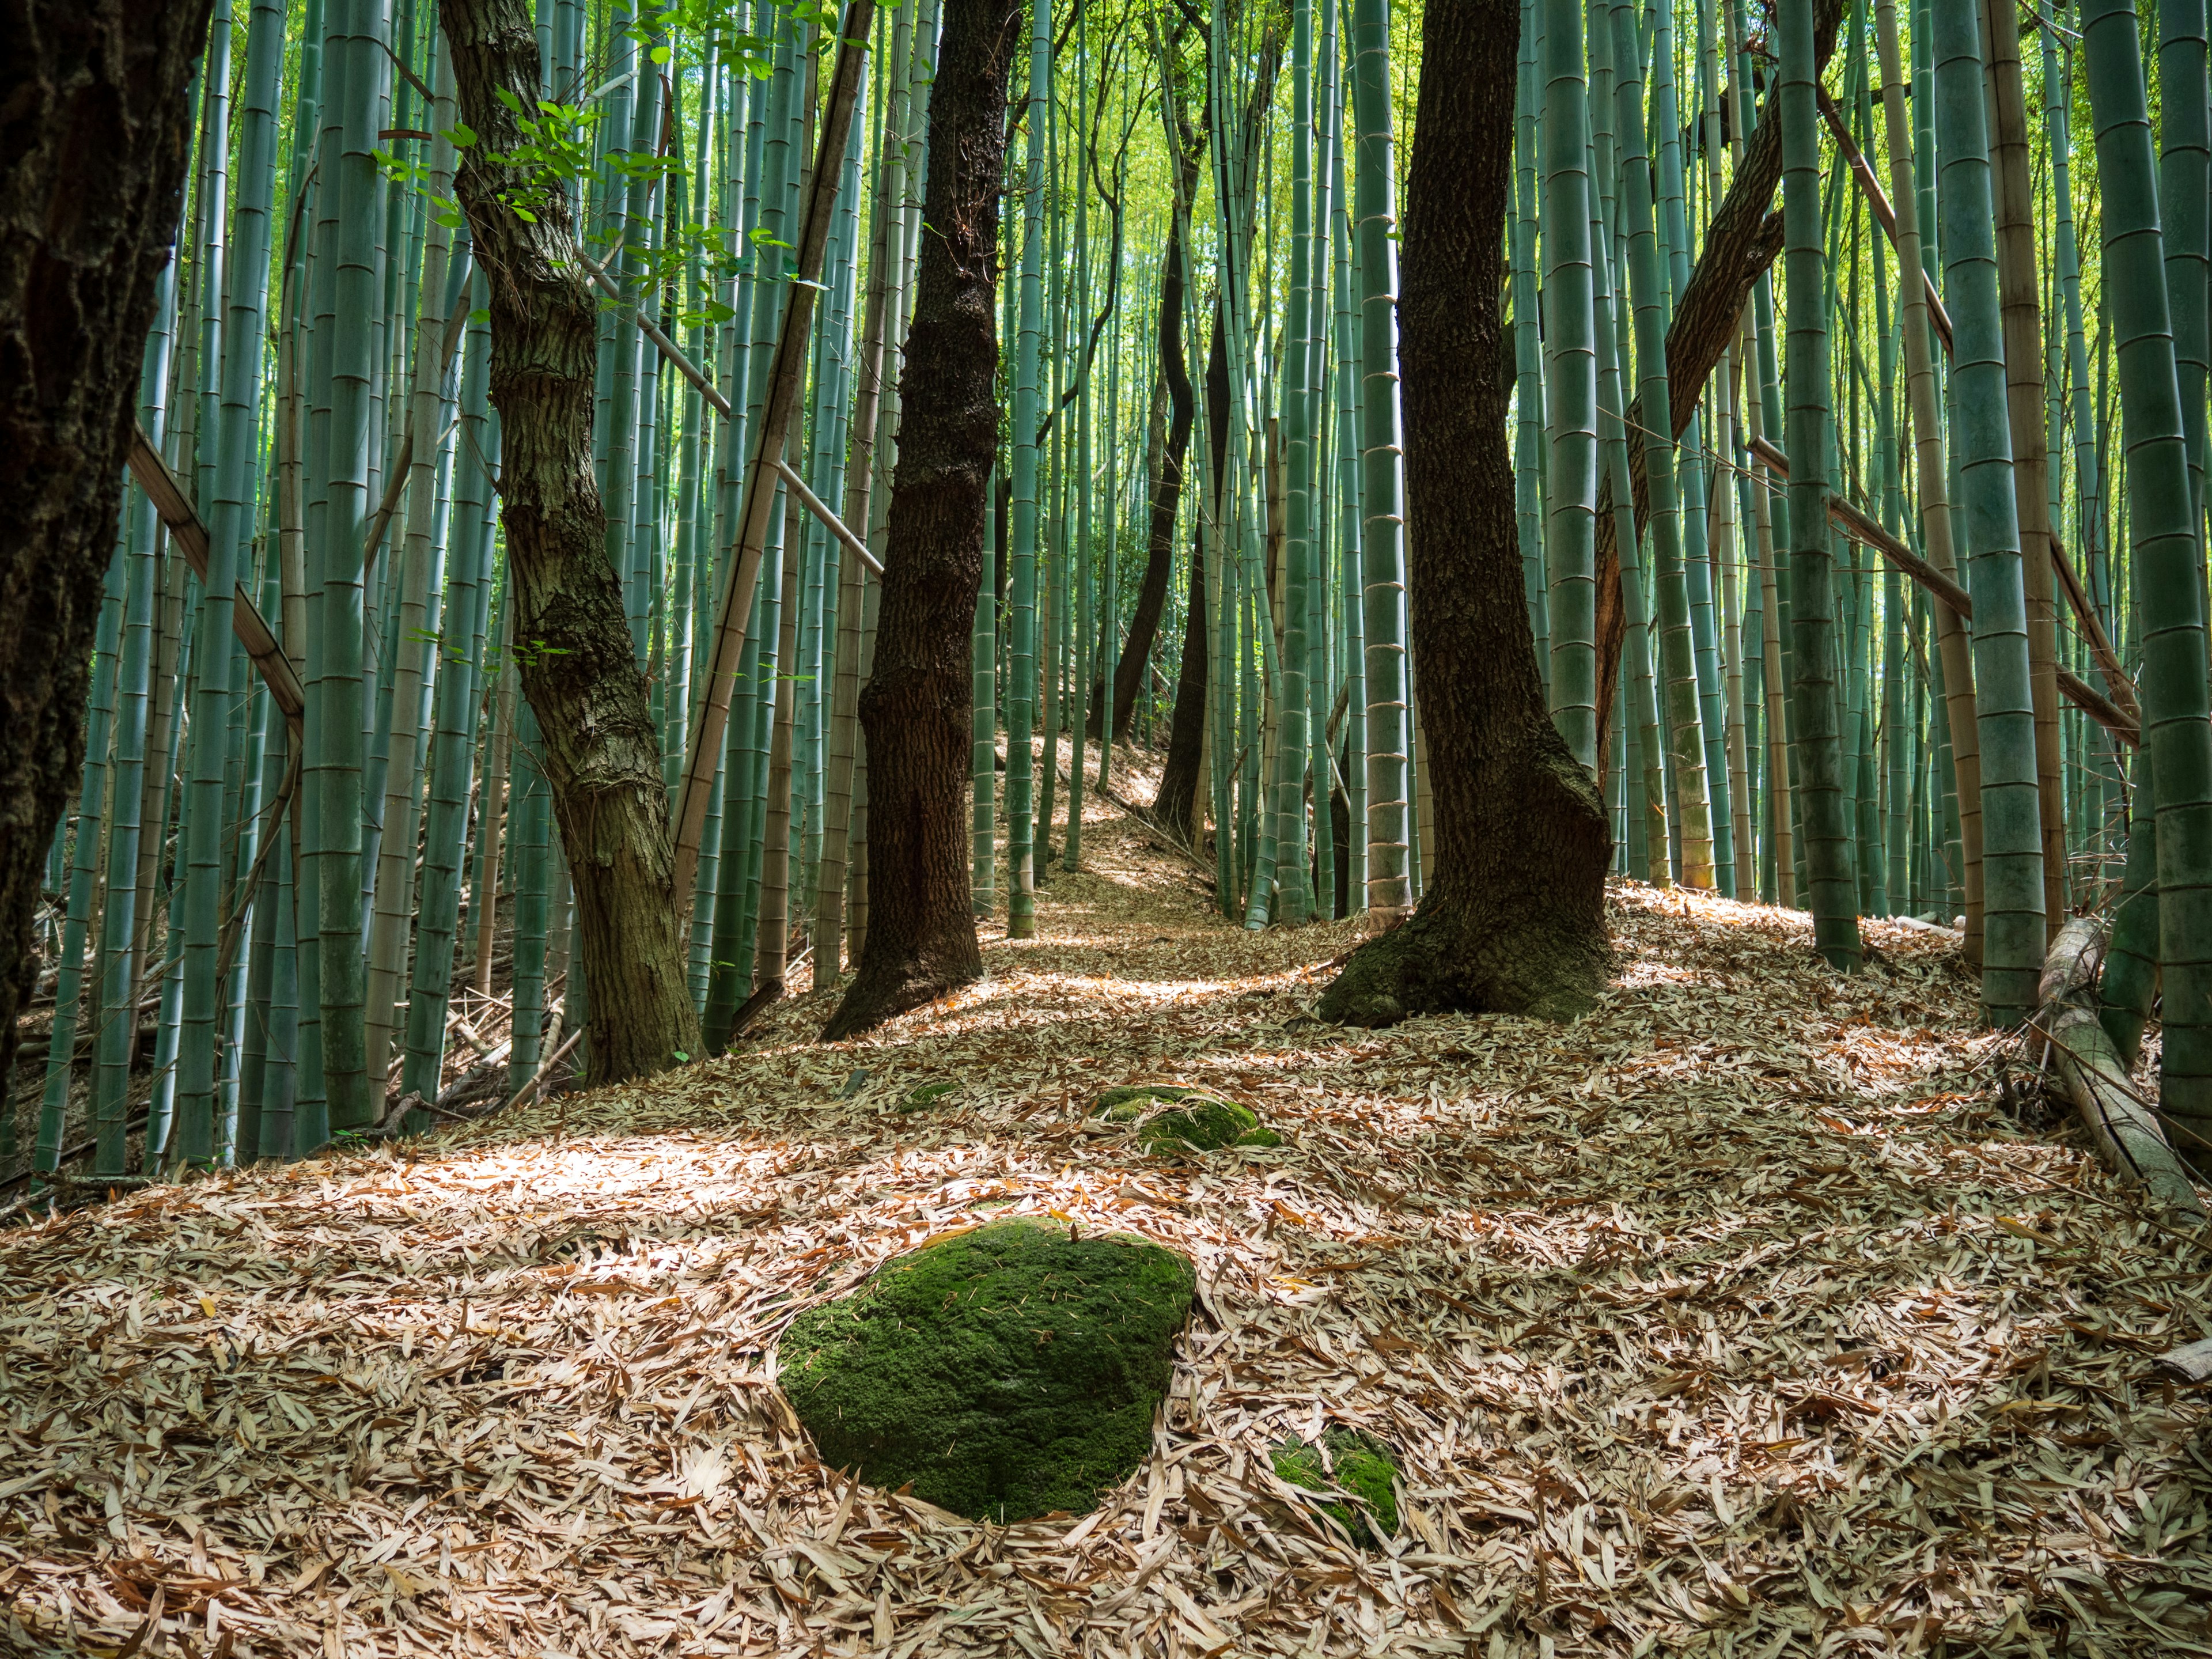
x=1195 y=1122
x=1363 y=1468
x=1006 y=1373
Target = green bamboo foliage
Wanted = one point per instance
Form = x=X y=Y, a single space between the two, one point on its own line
x=2012 y=850
x=2162 y=522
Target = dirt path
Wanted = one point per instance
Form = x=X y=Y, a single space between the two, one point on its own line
x=1731 y=1319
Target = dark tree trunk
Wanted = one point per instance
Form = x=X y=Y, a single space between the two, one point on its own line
x=1175 y=807
x=1167 y=495
x=1742 y=242
x=915 y=708
x=601 y=752
x=1514 y=919
x=95 y=125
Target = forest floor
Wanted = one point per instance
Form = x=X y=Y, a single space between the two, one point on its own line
x=1735 y=1318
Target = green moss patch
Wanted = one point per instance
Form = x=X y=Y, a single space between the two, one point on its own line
x=1364 y=1471
x=1006 y=1373
x=1192 y=1121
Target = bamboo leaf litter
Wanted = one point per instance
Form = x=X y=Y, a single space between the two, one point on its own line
x=1731 y=1313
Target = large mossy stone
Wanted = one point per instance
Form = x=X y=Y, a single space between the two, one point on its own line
x=1364 y=1470
x=1007 y=1372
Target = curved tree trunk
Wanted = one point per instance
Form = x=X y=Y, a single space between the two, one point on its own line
x=1513 y=920
x=92 y=164
x=601 y=753
x=1167 y=496
x=1175 y=807
x=915 y=708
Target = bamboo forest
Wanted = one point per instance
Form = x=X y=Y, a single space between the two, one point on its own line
x=1153 y=828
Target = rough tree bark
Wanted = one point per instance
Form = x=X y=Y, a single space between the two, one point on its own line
x=915 y=708
x=601 y=754
x=1742 y=242
x=1175 y=805
x=94 y=129
x=1513 y=920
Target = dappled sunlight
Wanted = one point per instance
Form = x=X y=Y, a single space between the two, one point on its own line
x=1745 y=1243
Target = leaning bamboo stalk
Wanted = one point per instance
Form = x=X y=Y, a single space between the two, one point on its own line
x=786 y=371
x=1952 y=598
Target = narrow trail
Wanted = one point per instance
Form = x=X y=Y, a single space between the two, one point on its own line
x=1732 y=1319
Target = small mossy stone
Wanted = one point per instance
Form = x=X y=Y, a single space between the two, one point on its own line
x=927 y=1095
x=1005 y=1372
x=1204 y=1124
x=1364 y=1469
x=1131 y=1100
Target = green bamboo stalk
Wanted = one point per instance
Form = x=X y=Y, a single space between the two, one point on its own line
x=115 y=1025
x=983 y=762
x=1021 y=828
x=1834 y=883
x=1931 y=478
x=84 y=870
x=1381 y=520
x=533 y=818
x=1527 y=350
x=2184 y=174
x=2162 y=522
x=1570 y=384
x=2012 y=847
x=203 y=819
x=1685 y=738
x=415 y=662
x=462 y=633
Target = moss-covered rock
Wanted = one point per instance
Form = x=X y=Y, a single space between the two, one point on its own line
x=1132 y=1100
x=927 y=1095
x=1202 y=1124
x=1364 y=1471
x=1005 y=1372
x=1172 y=1119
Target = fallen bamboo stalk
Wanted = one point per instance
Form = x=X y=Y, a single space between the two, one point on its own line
x=2122 y=1125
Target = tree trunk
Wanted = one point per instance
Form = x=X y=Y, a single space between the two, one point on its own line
x=92 y=166
x=601 y=752
x=1167 y=495
x=915 y=708
x=1513 y=920
x=1175 y=807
